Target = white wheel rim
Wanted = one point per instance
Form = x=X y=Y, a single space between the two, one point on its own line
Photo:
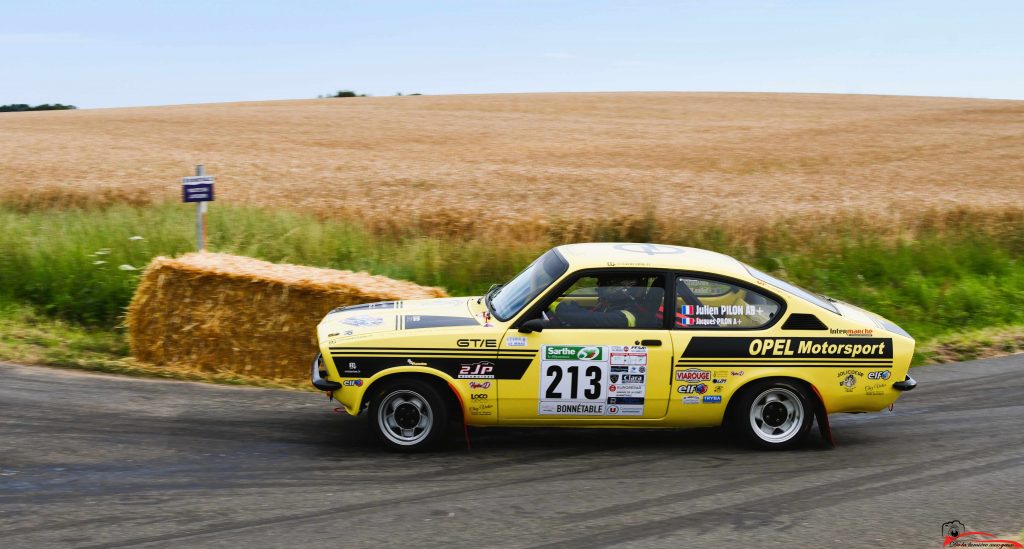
x=405 y=417
x=776 y=415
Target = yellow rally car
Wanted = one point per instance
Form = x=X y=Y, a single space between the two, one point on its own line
x=614 y=335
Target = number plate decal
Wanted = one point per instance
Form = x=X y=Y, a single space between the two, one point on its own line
x=592 y=380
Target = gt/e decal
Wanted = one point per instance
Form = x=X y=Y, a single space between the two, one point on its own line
x=484 y=343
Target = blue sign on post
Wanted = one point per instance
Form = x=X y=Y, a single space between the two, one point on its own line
x=197 y=189
x=197 y=192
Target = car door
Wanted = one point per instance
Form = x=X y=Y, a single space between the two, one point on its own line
x=714 y=318
x=586 y=371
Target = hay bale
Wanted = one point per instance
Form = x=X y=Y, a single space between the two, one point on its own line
x=221 y=312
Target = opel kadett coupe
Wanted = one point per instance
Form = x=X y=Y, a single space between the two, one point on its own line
x=614 y=335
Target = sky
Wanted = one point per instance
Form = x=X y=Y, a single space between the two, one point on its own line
x=129 y=53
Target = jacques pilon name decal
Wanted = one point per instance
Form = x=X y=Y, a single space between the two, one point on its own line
x=788 y=347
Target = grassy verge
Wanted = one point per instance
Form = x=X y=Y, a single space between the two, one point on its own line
x=28 y=337
x=953 y=278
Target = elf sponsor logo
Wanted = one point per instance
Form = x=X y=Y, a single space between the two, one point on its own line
x=700 y=389
x=479 y=385
x=693 y=375
x=353 y=382
x=573 y=352
x=882 y=375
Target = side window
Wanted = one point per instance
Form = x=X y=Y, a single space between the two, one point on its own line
x=711 y=304
x=613 y=300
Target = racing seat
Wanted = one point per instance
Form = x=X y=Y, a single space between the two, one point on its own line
x=650 y=304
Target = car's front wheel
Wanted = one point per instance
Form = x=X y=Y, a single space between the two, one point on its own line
x=408 y=415
x=773 y=414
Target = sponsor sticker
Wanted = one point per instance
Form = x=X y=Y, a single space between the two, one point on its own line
x=592 y=380
x=481 y=409
x=880 y=375
x=574 y=408
x=691 y=400
x=861 y=332
x=699 y=389
x=719 y=381
x=875 y=389
x=353 y=382
x=573 y=352
x=477 y=370
x=712 y=399
x=848 y=379
x=515 y=341
x=479 y=385
x=693 y=375
x=363 y=321
x=794 y=347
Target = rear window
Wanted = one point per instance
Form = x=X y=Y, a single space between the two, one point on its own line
x=795 y=290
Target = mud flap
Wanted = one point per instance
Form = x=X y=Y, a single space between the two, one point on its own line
x=821 y=416
x=462 y=408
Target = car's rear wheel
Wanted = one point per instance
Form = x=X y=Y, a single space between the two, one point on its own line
x=408 y=415
x=773 y=414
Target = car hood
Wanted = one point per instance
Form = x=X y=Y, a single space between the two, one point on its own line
x=351 y=322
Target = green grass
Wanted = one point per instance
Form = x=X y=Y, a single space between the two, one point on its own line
x=960 y=272
x=29 y=337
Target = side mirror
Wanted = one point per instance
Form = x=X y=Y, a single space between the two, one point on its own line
x=533 y=325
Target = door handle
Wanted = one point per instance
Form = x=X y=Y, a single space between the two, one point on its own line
x=649 y=342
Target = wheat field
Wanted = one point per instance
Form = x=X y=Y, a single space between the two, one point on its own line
x=458 y=163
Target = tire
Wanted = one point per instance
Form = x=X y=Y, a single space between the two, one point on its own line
x=408 y=415
x=772 y=414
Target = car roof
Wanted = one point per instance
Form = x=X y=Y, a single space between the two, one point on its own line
x=658 y=256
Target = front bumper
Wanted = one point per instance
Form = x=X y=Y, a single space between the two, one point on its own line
x=905 y=385
x=318 y=379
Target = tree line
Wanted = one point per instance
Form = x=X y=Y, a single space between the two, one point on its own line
x=21 y=107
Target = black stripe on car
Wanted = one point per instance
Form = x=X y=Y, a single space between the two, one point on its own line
x=466 y=367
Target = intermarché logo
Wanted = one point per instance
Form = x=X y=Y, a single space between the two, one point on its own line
x=574 y=352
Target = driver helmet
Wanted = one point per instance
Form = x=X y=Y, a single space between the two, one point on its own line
x=619 y=290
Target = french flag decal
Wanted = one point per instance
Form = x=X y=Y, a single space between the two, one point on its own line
x=687 y=321
x=688 y=310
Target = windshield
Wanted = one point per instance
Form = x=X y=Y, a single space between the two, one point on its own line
x=797 y=291
x=512 y=297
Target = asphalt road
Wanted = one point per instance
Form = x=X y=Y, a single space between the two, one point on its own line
x=91 y=460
